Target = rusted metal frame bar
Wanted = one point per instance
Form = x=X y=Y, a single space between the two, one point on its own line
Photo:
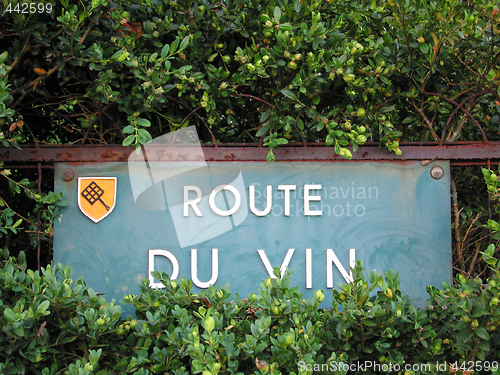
x=466 y=152
x=452 y=163
x=27 y=166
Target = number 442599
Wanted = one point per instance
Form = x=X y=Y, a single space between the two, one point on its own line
x=29 y=8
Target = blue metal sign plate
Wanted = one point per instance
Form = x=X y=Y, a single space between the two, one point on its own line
x=232 y=222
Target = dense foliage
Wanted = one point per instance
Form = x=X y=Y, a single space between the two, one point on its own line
x=272 y=72
x=51 y=324
x=342 y=72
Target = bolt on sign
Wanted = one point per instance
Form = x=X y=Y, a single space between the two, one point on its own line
x=169 y=210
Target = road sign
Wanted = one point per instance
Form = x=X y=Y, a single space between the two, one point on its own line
x=232 y=222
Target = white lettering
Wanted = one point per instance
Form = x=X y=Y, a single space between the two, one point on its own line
x=193 y=203
x=308 y=268
x=269 y=200
x=331 y=258
x=286 y=189
x=308 y=198
x=151 y=266
x=194 y=269
x=237 y=203
x=268 y=266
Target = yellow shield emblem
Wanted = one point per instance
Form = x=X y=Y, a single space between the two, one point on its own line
x=96 y=196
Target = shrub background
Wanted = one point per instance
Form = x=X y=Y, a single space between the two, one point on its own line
x=52 y=324
x=276 y=72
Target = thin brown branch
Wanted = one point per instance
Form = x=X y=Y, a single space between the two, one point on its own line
x=456 y=225
x=474 y=259
x=27 y=87
x=426 y=120
x=467 y=66
x=485 y=139
x=189 y=115
x=25 y=49
x=248 y=131
x=87 y=32
x=17 y=214
x=384 y=103
x=460 y=106
x=301 y=136
x=101 y=112
x=494 y=64
x=452 y=135
x=214 y=140
x=254 y=97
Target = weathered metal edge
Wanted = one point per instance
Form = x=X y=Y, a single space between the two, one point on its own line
x=116 y=153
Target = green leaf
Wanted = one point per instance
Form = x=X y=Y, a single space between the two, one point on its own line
x=143 y=122
x=129 y=129
x=297 y=6
x=481 y=355
x=263 y=130
x=387 y=108
x=300 y=124
x=19 y=331
x=164 y=51
x=143 y=136
x=129 y=140
x=481 y=332
x=3 y=57
x=386 y=80
x=484 y=345
x=290 y=94
x=282 y=141
x=345 y=153
x=173 y=46
x=270 y=156
x=9 y=314
x=184 y=43
x=123 y=57
x=277 y=13
x=117 y=54
x=212 y=57
x=209 y=323
x=424 y=48
x=285 y=27
x=43 y=306
x=329 y=140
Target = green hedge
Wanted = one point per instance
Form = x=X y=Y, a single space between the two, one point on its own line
x=51 y=324
x=341 y=72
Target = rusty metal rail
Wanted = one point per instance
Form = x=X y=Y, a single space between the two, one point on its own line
x=458 y=153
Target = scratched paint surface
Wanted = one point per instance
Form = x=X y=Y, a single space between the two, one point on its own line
x=395 y=216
